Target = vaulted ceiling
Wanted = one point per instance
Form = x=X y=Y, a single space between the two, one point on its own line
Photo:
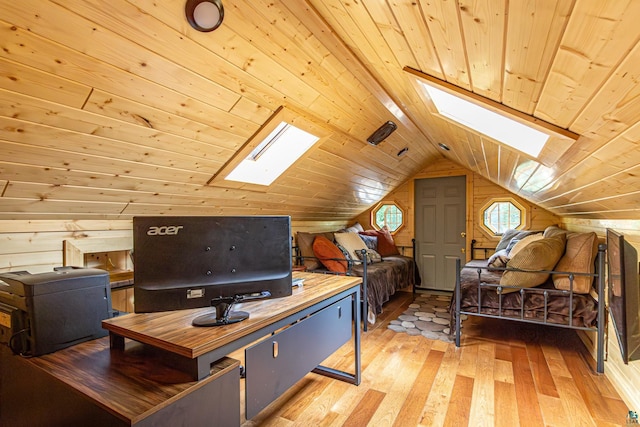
x=111 y=109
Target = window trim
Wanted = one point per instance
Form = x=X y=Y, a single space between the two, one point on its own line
x=524 y=214
x=383 y=203
x=282 y=114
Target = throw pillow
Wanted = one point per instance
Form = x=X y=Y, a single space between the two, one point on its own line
x=539 y=255
x=522 y=243
x=498 y=260
x=552 y=230
x=580 y=256
x=305 y=247
x=371 y=256
x=329 y=255
x=506 y=238
x=346 y=255
x=370 y=241
x=386 y=245
x=351 y=242
x=355 y=228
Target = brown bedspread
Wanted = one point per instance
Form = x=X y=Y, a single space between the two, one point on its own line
x=584 y=310
x=386 y=277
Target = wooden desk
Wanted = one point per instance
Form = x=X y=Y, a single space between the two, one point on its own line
x=194 y=348
x=91 y=385
x=171 y=373
x=302 y=329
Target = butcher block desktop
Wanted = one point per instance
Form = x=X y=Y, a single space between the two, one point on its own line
x=156 y=368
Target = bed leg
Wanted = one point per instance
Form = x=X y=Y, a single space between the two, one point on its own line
x=415 y=265
x=457 y=295
x=365 y=294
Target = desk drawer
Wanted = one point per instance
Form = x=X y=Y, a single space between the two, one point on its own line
x=278 y=362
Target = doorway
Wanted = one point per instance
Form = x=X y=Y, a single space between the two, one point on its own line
x=440 y=229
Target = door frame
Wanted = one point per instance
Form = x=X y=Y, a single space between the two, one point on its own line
x=468 y=201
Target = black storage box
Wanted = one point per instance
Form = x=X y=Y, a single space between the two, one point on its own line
x=44 y=312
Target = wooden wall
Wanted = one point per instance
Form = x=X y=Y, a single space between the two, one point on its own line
x=479 y=192
x=37 y=246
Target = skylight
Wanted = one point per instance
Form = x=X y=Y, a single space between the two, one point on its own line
x=273 y=155
x=487 y=122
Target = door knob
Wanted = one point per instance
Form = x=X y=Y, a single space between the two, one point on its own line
x=463 y=234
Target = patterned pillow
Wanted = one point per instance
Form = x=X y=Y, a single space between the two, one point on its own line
x=372 y=256
x=370 y=241
x=498 y=260
x=346 y=255
x=386 y=245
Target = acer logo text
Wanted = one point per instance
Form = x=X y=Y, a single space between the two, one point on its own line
x=165 y=230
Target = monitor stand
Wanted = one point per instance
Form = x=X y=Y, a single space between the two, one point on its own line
x=223 y=314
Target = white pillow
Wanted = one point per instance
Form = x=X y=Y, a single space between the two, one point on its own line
x=524 y=242
x=351 y=242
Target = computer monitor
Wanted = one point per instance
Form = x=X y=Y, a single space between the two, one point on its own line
x=624 y=294
x=183 y=262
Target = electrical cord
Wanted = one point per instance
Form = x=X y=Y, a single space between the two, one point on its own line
x=12 y=343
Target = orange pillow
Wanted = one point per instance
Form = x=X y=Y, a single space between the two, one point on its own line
x=386 y=245
x=324 y=250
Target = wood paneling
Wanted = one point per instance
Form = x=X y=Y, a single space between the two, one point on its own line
x=480 y=191
x=97 y=97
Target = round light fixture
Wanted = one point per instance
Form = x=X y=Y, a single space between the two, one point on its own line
x=204 y=15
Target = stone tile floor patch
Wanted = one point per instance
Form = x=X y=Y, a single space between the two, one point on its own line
x=428 y=316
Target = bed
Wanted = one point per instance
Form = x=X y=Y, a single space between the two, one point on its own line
x=380 y=280
x=342 y=253
x=481 y=290
x=385 y=278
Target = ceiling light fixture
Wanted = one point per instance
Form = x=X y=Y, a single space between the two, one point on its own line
x=204 y=15
x=382 y=133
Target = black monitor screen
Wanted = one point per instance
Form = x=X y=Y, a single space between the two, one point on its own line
x=188 y=262
x=624 y=294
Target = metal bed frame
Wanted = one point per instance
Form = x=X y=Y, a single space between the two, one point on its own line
x=601 y=313
x=299 y=259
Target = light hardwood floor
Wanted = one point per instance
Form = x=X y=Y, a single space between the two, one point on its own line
x=504 y=374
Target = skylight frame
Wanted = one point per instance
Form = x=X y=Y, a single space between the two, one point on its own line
x=515 y=134
x=260 y=146
x=273 y=156
x=559 y=141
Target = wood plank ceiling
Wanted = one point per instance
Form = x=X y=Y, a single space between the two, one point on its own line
x=111 y=109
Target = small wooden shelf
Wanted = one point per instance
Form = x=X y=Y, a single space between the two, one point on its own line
x=112 y=254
